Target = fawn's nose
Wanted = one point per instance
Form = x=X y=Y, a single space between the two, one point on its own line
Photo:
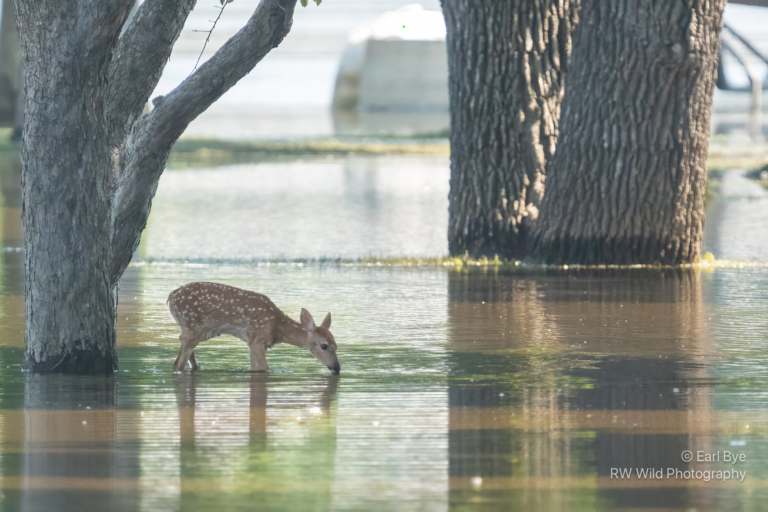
x=336 y=369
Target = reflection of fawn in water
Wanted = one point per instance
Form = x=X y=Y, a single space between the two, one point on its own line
x=206 y=310
x=230 y=416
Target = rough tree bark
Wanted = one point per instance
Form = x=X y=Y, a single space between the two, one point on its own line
x=627 y=182
x=91 y=161
x=507 y=63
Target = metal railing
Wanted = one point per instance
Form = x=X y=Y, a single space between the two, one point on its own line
x=757 y=82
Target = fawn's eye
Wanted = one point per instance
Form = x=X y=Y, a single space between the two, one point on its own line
x=324 y=346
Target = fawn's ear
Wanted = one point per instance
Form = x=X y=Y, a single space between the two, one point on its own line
x=306 y=320
x=327 y=322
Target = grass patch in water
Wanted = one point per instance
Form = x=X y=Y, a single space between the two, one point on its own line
x=209 y=153
x=726 y=156
x=458 y=264
x=465 y=262
x=194 y=152
x=213 y=152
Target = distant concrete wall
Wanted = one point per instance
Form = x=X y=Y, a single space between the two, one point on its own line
x=404 y=76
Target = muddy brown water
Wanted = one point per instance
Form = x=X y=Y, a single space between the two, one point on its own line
x=477 y=390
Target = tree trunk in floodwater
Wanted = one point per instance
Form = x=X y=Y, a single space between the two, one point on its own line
x=91 y=161
x=66 y=191
x=627 y=182
x=507 y=63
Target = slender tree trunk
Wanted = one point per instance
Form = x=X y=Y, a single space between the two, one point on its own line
x=10 y=58
x=507 y=63
x=18 y=112
x=91 y=161
x=627 y=182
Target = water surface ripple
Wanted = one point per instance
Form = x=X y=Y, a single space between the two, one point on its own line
x=478 y=390
x=458 y=391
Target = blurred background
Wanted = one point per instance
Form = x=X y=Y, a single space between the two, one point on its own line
x=336 y=144
x=291 y=93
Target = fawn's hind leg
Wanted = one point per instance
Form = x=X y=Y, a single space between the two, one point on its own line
x=185 y=353
x=192 y=361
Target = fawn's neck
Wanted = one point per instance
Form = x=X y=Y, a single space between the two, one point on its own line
x=291 y=332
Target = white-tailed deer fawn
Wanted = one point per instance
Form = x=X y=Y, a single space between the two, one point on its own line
x=207 y=310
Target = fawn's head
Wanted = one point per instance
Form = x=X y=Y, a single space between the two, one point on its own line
x=321 y=342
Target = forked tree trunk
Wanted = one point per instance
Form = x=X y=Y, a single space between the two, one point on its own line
x=91 y=161
x=627 y=182
x=507 y=63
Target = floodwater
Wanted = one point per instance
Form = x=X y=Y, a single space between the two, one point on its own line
x=317 y=208
x=475 y=390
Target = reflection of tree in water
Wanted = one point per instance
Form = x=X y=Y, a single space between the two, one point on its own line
x=502 y=341
x=360 y=190
x=73 y=433
x=529 y=399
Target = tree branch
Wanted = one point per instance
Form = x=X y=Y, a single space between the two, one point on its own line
x=210 y=33
x=139 y=59
x=153 y=136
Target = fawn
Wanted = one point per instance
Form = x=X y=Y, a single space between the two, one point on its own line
x=206 y=310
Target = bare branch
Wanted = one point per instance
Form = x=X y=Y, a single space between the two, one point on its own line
x=153 y=135
x=264 y=31
x=139 y=58
x=210 y=33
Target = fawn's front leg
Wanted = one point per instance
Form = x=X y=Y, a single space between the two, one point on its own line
x=258 y=340
x=258 y=356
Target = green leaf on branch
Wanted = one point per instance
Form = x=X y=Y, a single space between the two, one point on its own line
x=318 y=2
x=303 y=3
x=226 y=1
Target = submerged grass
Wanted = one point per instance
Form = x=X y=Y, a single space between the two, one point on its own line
x=209 y=153
x=466 y=263
x=189 y=152
x=724 y=156
x=458 y=264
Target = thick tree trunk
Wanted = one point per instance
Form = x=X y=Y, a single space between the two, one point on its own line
x=91 y=161
x=507 y=63
x=627 y=182
x=66 y=187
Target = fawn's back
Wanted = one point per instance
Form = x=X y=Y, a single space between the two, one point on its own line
x=200 y=308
